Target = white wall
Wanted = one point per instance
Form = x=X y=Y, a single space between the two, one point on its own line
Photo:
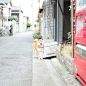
x=41 y=2
x=20 y=22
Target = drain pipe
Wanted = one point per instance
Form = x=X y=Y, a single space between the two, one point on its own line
x=57 y=25
x=72 y=27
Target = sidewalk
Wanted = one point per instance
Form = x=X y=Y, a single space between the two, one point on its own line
x=66 y=76
x=44 y=74
x=50 y=72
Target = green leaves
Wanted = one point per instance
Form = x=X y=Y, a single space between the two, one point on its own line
x=13 y=18
x=37 y=36
x=28 y=24
x=61 y=49
x=35 y=25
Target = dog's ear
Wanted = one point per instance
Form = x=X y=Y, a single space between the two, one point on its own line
x=42 y=38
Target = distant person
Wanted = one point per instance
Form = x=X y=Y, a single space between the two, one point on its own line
x=11 y=30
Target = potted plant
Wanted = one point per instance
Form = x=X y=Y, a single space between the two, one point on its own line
x=36 y=36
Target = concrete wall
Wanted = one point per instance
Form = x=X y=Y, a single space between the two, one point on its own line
x=48 y=22
x=20 y=22
x=67 y=61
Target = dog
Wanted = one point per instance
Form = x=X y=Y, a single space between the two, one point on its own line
x=38 y=45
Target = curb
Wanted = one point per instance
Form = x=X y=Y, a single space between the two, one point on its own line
x=68 y=79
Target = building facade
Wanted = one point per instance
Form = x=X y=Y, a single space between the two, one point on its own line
x=5 y=12
x=18 y=13
x=48 y=19
x=56 y=21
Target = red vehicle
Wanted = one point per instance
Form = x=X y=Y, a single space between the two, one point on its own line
x=80 y=41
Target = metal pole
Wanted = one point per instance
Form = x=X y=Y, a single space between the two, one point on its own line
x=72 y=26
x=32 y=12
x=48 y=27
x=20 y=18
x=7 y=19
x=57 y=25
x=53 y=20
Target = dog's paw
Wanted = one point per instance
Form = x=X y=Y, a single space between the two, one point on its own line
x=39 y=58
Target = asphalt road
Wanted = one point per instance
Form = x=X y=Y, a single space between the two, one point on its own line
x=16 y=60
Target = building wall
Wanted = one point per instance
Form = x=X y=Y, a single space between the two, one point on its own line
x=24 y=23
x=21 y=22
x=0 y=22
x=48 y=21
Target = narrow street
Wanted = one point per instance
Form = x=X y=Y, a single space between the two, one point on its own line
x=16 y=60
x=19 y=68
x=57 y=31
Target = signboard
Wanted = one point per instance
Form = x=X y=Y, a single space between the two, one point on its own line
x=80 y=5
x=79 y=26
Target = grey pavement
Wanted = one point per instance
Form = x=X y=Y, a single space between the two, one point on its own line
x=49 y=72
x=16 y=60
x=44 y=74
x=61 y=70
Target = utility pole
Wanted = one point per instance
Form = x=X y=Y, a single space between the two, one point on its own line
x=32 y=12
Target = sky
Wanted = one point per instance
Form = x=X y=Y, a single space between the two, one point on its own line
x=28 y=8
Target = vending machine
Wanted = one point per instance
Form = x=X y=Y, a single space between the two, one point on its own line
x=80 y=41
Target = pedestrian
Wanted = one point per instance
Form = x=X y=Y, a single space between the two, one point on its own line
x=11 y=30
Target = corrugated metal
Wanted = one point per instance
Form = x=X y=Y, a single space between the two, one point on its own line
x=60 y=21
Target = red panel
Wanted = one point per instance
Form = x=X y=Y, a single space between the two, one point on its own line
x=81 y=66
x=79 y=62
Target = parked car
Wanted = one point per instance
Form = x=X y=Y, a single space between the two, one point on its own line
x=2 y=31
